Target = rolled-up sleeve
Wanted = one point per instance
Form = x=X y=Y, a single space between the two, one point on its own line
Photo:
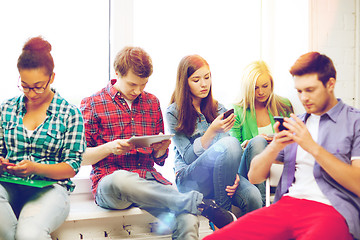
x=74 y=141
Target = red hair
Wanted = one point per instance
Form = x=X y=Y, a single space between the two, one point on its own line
x=314 y=62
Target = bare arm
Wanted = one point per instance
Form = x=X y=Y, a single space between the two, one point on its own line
x=261 y=164
x=93 y=155
x=346 y=175
x=55 y=171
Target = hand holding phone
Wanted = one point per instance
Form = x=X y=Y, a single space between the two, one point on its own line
x=281 y=121
x=8 y=164
x=228 y=113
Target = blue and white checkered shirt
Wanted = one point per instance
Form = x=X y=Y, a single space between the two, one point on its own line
x=60 y=138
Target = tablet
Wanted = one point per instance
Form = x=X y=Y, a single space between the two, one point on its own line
x=27 y=182
x=147 y=140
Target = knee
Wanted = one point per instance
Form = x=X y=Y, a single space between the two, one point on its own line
x=120 y=181
x=258 y=143
x=31 y=233
x=254 y=194
x=254 y=199
x=249 y=194
x=232 y=143
x=231 y=146
x=187 y=226
x=7 y=234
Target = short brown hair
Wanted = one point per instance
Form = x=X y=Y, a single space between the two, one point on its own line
x=314 y=62
x=133 y=58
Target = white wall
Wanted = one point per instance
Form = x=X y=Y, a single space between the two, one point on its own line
x=334 y=31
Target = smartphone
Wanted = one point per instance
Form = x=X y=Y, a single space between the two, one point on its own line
x=281 y=121
x=228 y=113
x=8 y=164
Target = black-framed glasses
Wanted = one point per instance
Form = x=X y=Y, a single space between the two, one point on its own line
x=35 y=89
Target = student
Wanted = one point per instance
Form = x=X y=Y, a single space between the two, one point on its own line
x=318 y=196
x=43 y=135
x=254 y=114
x=123 y=175
x=206 y=156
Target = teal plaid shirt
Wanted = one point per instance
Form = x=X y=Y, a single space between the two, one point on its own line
x=60 y=138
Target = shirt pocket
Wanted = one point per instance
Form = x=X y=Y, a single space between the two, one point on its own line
x=12 y=137
x=341 y=150
x=9 y=126
x=53 y=141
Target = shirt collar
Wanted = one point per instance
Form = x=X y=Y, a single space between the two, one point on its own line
x=333 y=113
x=111 y=90
x=21 y=107
x=53 y=105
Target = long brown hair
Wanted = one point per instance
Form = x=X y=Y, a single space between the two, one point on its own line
x=183 y=99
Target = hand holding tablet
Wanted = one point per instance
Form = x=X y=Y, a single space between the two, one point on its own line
x=147 y=140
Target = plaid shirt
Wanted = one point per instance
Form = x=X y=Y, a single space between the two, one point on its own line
x=107 y=117
x=60 y=138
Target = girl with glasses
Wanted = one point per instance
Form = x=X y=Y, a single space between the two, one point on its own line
x=41 y=141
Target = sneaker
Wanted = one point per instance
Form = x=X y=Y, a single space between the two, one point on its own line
x=216 y=214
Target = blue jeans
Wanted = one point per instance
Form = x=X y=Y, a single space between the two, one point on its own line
x=254 y=147
x=31 y=213
x=215 y=169
x=179 y=211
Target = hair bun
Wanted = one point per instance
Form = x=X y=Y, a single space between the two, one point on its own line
x=37 y=44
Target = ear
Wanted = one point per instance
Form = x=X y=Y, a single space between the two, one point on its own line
x=52 y=77
x=331 y=84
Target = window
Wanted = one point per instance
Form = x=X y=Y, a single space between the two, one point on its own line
x=228 y=34
x=78 y=32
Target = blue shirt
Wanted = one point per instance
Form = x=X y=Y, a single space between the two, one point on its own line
x=339 y=134
x=188 y=149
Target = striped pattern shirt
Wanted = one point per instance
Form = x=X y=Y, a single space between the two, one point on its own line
x=107 y=117
x=60 y=138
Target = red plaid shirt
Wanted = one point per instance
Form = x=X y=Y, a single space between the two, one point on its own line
x=107 y=117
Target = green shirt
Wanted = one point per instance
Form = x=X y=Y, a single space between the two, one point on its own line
x=248 y=129
x=60 y=138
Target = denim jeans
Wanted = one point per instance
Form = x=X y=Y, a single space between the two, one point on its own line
x=31 y=213
x=254 y=147
x=215 y=169
x=179 y=211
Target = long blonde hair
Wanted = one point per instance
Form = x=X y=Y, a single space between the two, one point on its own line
x=275 y=103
